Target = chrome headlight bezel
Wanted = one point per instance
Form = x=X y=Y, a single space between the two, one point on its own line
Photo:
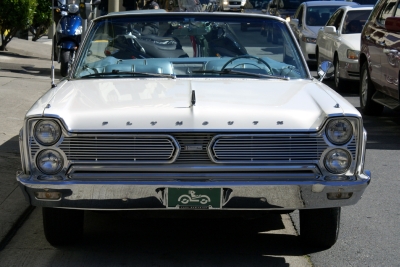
x=49 y=156
x=335 y=133
x=337 y=161
x=56 y=128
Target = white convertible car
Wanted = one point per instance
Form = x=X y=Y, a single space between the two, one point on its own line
x=184 y=111
x=339 y=42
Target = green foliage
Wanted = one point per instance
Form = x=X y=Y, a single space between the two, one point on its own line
x=42 y=19
x=15 y=15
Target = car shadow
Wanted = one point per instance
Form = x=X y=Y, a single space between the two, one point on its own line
x=128 y=237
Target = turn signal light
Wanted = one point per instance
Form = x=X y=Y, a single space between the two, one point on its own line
x=339 y=195
x=48 y=195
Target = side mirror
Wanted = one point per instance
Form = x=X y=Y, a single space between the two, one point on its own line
x=294 y=22
x=326 y=70
x=392 y=24
x=330 y=29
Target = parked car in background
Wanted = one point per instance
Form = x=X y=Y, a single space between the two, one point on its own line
x=196 y=116
x=379 y=59
x=339 y=42
x=308 y=19
x=231 y=5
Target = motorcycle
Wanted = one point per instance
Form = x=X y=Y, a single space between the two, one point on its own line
x=68 y=35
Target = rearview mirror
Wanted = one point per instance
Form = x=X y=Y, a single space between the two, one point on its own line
x=325 y=70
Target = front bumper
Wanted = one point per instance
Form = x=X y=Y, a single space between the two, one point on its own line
x=237 y=195
x=349 y=70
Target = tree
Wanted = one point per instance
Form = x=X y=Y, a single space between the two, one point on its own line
x=42 y=19
x=15 y=15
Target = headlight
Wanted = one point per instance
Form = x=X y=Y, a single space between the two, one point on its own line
x=78 y=30
x=339 y=131
x=337 y=161
x=309 y=40
x=352 y=54
x=73 y=8
x=47 y=132
x=59 y=28
x=49 y=161
x=225 y=3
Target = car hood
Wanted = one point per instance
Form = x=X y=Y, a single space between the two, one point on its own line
x=220 y=104
x=352 y=40
x=311 y=31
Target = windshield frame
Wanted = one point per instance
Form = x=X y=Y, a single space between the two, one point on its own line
x=172 y=16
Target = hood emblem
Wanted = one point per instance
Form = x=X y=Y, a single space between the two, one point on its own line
x=279 y=122
x=153 y=123
x=255 y=122
x=205 y=123
x=129 y=123
x=230 y=122
x=179 y=123
x=105 y=122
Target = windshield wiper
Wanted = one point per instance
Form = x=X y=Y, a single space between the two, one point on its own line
x=230 y=71
x=117 y=72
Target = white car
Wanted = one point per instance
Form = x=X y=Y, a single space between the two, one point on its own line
x=309 y=18
x=339 y=42
x=199 y=115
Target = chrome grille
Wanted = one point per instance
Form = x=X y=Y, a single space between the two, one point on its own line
x=132 y=148
x=189 y=140
x=267 y=148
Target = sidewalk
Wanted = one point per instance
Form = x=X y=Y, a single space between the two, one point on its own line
x=24 y=68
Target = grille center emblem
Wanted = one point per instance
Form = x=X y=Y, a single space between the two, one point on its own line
x=193 y=147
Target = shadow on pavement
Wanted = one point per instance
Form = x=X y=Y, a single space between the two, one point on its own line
x=125 y=237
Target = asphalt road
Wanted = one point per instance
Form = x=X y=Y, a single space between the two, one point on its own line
x=369 y=234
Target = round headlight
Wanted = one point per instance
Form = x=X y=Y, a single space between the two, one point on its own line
x=49 y=161
x=73 y=8
x=339 y=131
x=47 y=132
x=337 y=161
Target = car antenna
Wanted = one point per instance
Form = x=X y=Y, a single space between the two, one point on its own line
x=52 y=49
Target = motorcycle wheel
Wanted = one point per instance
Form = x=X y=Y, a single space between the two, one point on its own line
x=64 y=62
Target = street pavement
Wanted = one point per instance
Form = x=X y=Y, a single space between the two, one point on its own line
x=26 y=64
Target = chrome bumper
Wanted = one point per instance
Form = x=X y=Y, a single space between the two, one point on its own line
x=238 y=195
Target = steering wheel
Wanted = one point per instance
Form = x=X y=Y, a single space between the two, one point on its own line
x=247 y=56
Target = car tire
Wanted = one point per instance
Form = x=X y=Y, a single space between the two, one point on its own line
x=319 y=228
x=62 y=227
x=339 y=82
x=367 y=90
x=65 y=62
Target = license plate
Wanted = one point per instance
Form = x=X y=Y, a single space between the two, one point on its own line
x=194 y=198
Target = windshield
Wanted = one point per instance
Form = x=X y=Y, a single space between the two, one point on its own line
x=177 y=45
x=355 y=21
x=319 y=15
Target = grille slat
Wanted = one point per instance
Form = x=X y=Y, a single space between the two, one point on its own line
x=192 y=148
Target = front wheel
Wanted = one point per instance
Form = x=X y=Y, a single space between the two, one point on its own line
x=65 y=62
x=367 y=90
x=62 y=226
x=319 y=228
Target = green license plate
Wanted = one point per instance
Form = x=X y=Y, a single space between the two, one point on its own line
x=194 y=198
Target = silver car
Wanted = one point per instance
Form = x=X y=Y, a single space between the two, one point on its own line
x=308 y=19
